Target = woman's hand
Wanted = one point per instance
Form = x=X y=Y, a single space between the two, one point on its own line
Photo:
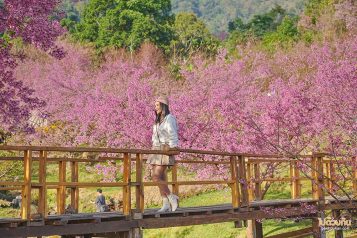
x=166 y=147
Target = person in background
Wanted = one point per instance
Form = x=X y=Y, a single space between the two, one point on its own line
x=100 y=201
x=16 y=202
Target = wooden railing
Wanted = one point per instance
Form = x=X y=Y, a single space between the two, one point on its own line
x=245 y=179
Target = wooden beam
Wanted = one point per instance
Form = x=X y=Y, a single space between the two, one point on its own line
x=314 y=181
x=257 y=229
x=175 y=185
x=243 y=181
x=318 y=193
x=320 y=180
x=354 y=176
x=61 y=191
x=84 y=184
x=26 y=188
x=316 y=229
x=257 y=185
x=140 y=187
x=190 y=182
x=201 y=162
x=126 y=188
x=235 y=184
x=295 y=181
x=196 y=219
x=249 y=183
x=69 y=229
x=74 y=190
x=42 y=203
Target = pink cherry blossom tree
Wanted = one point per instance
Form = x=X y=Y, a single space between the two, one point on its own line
x=26 y=22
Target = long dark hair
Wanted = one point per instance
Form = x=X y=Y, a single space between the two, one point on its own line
x=164 y=112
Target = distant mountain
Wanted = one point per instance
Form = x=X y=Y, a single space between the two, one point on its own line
x=217 y=13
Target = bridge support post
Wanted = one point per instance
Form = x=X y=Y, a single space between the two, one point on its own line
x=175 y=187
x=126 y=188
x=254 y=229
x=295 y=181
x=336 y=215
x=42 y=200
x=26 y=188
x=354 y=176
x=61 y=190
x=328 y=181
x=135 y=233
x=139 y=190
x=250 y=182
x=243 y=181
x=235 y=179
x=257 y=187
x=75 y=190
x=318 y=193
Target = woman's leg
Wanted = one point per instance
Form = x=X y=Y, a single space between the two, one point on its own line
x=159 y=176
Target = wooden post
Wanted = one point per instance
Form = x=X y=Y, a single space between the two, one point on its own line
x=243 y=181
x=26 y=188
x=336 y=215
x=328 y=180
x=295 y=181
x=126 y=188
x=257 y=186
x=42 y=201
x=320 y=179
x=74 y=190
x=313 y=177
x=318 y=193
x=254 y=228
x=61 y=190
x=354 y=178
x=257 y=229
x=175 y=187
x=139 y=187
x=249 y=182
x=235 y=179
x=332 y=174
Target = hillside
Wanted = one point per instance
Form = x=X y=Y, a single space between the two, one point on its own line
x=217 y=13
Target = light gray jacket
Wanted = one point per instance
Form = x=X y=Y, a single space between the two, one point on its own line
x=166 y=132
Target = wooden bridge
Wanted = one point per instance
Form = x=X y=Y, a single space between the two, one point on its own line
x=245 y=183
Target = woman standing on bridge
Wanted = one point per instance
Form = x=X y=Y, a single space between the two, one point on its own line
x=164 y=137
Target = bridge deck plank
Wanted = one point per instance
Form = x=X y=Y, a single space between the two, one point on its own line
x=181 y=211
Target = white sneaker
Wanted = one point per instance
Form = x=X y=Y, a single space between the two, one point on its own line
x=165 y=205
x=173 y=199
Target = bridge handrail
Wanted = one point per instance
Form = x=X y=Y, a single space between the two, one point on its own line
x=244 y=170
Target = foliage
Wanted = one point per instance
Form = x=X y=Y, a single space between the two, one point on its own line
x=217 y=13
x=275 y=26
x=18 y=26
x=72 y=15
x=251 y=104
x=260 y=24
x=10 y=170
x=285 y=35
x=125 y=23
x=192 y=36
